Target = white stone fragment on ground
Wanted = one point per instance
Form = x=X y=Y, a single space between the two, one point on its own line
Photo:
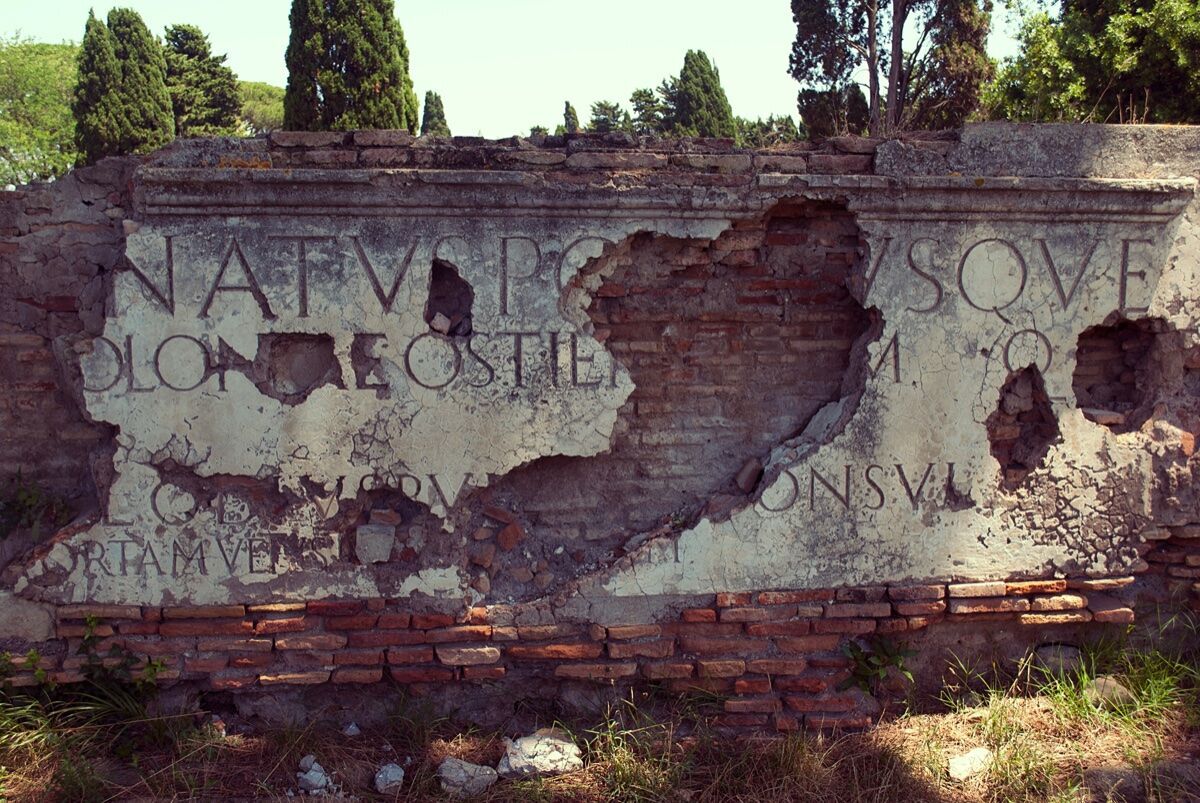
x=548 y=751
x=970 y=764
x=462 y=779
x=389 y=778
x=312 y=776
x=351 y=730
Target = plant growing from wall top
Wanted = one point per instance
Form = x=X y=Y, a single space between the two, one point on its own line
x=347 y=68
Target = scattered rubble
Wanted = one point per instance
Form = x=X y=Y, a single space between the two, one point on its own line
x=462 y=779
x=389 y=778
x=548 y=751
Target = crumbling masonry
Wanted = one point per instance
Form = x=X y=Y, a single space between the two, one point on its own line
x=357 y=408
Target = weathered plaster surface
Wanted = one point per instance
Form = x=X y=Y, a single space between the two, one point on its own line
x=897 y=481
x=221 y=490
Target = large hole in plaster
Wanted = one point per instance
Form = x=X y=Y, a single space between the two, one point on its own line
x=1111 y=367
x=1022 y=427
x=733 y=345
x=448 y=309
x=289 y=367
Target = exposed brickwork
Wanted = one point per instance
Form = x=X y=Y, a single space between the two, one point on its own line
x=705 y=328
x=774 y=655
x=57 y=241
x=1110 y=379
x=702 y=326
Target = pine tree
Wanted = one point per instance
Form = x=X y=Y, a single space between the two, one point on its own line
x=607 y=116
x=348 y=67
x=433 y=123
x=647 y=112
x=204 y=92
x=570 y=119
x=142 y=89
x=99 y=116
x=696 y=103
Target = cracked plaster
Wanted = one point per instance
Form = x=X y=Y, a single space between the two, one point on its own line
x=971 y=279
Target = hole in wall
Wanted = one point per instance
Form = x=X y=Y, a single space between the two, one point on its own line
x=448 y=309
x=1111 y=379
x=290 y=366
x=1022 y=427
x=732 y=345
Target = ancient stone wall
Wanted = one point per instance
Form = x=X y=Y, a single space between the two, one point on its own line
x=347 y=407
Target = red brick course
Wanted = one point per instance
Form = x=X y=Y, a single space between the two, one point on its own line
x=774 y=653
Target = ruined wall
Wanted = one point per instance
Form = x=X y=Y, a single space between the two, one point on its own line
x=598 y=408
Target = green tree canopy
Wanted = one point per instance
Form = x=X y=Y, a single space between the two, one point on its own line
x=98 y=110
x=648 y=112
x=608 y=116
x=1104 y=61
x=932 y=80
x=348 y=67
x=761 y=133
x=570 y=119
x=695 y=104
x=830 y=112
x=37 y=131
x=1040 y=83
x=204 y=92
x=262 y=107
x=142 y=89
x=433 y=122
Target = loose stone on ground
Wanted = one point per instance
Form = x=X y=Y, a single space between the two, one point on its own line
x=548 y=751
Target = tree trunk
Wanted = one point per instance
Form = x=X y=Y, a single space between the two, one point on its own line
x=896 y=78
x=873 y=66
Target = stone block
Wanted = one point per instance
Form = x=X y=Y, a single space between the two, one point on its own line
x=373 y=543
x=468 y=656
x=989 y=589
x=595 y=671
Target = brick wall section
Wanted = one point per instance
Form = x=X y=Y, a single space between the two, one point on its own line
x=732 y=346
x=56 y=242
x=1110 y=374
x=1173 y=553
x=773 y=655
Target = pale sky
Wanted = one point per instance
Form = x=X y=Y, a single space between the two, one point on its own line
x=502 y=66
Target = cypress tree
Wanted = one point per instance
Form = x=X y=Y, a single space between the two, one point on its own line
x=570 y=118
x=347 y=67
x=149 y=121
x=204 y=92
x=305 y=55
x=697 y=103
x=433 y=122
x=410 y=94
x=99 y=116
